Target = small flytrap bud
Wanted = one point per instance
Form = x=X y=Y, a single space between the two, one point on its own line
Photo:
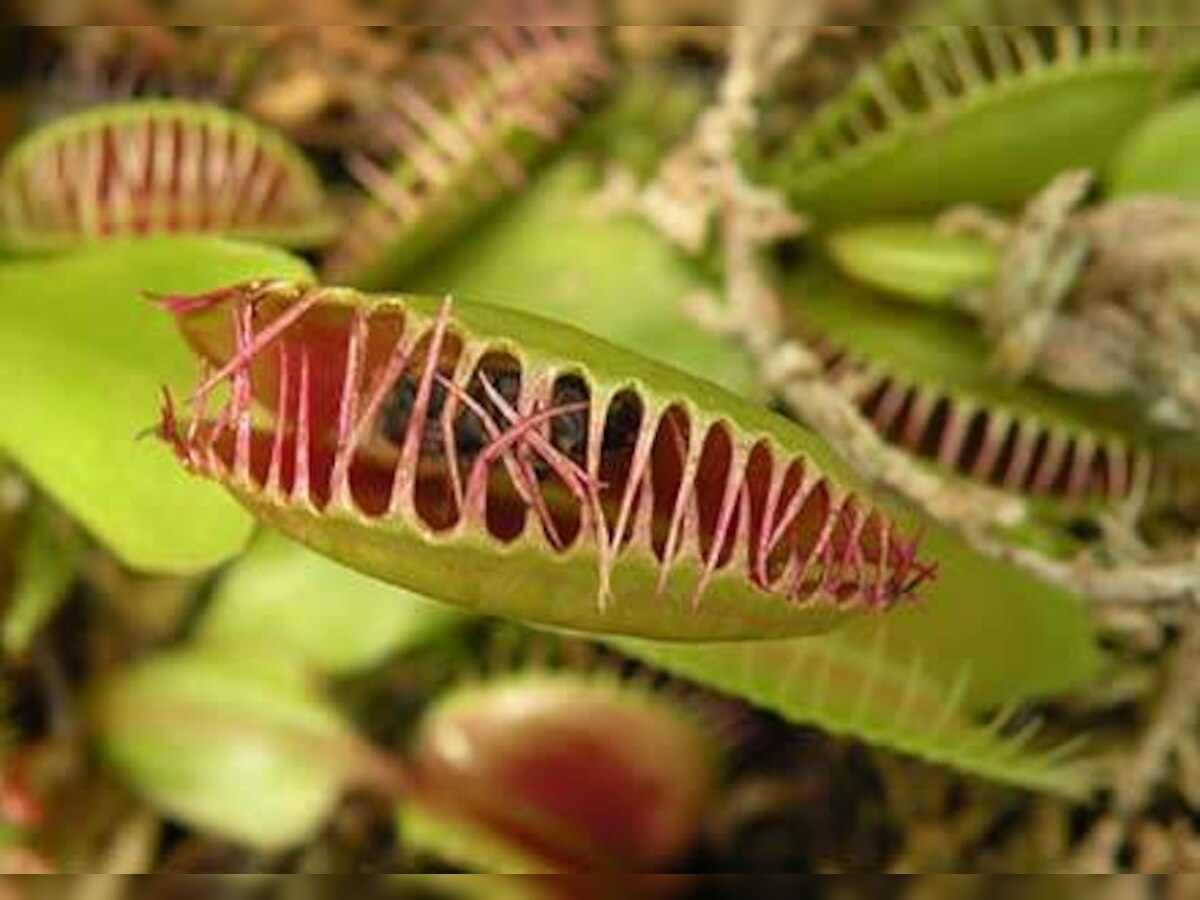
x=464 y=131
x=243 y=748
x=560 y=773
x=158 y=167
x=518 y=467
x=975 y=114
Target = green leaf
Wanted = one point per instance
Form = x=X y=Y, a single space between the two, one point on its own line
x=238 y=745
x=1162 y=156
x=82 y=358
x=336 y=620
x=1009 y=635
x=552 y=253
x=967 y=114
x=852 y=689
x=914 y=260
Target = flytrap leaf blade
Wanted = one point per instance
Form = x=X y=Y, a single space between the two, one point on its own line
x=922 y=378
x=1018 y=639
x=81 y=356
x=857 y=692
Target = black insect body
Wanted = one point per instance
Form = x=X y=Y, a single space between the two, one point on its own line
x=622 y=425
x=568 y=431
x=470 y=430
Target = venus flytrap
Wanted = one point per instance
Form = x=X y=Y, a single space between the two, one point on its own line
x=560 y=772
x=922 y=377
x=517 y=446
x=477 y=455
x=465 y=131
x=156 y=167
x=974 y=114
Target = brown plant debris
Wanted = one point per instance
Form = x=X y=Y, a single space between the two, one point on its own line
x=1101 y=300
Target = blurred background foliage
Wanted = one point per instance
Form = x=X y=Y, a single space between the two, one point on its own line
x=185 y=693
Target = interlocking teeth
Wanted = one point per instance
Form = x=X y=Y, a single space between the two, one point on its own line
x=398 y=419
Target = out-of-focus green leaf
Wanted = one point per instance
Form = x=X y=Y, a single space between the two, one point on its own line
x=239 y=745
x=46 y=566
x=82 y=358
x=336 y=620
x=914 y=260
x=1009 y=635
x=1162 y=156
x=551 y=252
